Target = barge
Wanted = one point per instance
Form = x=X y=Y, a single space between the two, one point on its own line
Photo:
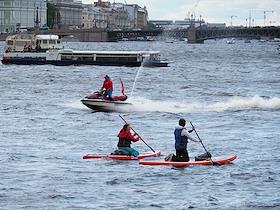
x=47 y=49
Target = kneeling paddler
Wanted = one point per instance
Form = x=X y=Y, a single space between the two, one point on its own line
x=125 y=139
x=182 y=137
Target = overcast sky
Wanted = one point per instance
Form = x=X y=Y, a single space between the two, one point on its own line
x=211 y=10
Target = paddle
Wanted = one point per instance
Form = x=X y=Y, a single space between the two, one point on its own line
x=213 y=163
x=137 y=134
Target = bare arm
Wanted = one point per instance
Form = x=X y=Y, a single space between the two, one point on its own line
x=185 y=133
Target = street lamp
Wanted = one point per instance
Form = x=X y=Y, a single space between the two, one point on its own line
x=231 y=17
x=264 y=15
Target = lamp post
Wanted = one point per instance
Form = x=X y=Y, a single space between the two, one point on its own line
x=250 y=14
x=231 y=17
x=264 y=15
x=1 y=23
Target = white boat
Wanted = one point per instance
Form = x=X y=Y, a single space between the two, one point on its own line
x=275 y=40
x=30 y=43
x=97 y=102
x=106 y=105
x=47 y=49
x=232 y=41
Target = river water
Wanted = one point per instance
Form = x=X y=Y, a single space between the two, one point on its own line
x=231 y=93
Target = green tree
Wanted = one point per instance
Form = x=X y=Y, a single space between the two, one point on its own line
x=150 y=26
x=52 y=13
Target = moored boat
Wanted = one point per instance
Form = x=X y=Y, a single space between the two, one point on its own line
x=231 y=41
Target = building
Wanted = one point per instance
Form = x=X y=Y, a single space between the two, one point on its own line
x=216 y=25
x=105 y=15
x=161 y=23
x=94 y=17
x=114 y=16
x=132 y=14
x=182 y=24
x=87 y=19
x=120 y=15
x=20 y=15
x=70 y=13
x=142 y=17
x=177 y=24
x=138 y=17
x=132 y=10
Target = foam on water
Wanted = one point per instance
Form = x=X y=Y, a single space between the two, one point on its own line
x=241 y=103
x=74 y=104
x=234 y=103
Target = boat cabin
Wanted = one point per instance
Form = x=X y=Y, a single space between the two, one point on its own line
x=32 y=43
x=104 y=57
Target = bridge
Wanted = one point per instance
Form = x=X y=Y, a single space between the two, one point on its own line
x=83 y=35
x=199 y=35
x=194 y=35
x=133 y=34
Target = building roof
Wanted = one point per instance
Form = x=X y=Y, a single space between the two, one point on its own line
x=70 y=51
x=47 y=37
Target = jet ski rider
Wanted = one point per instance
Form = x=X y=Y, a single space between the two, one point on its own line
x=107 y=87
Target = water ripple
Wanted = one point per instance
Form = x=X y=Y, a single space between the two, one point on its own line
x=232 y=101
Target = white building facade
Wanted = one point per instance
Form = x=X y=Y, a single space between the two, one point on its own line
x=114 y=16
x=15 y=14
x=70 y=13
x=178 y=24
x=105 y=15
x=94 y=17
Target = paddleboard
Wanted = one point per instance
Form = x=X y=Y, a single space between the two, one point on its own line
x=122 y=157
x=220 y=161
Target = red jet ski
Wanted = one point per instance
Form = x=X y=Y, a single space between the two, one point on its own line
x=100 y=95
x=97 y=102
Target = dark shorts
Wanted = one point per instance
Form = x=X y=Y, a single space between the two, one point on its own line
x=181 y=156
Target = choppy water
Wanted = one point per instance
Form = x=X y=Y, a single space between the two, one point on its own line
x=230 y=92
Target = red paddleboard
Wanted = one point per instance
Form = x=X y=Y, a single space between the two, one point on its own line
x=219 y=161
x=122 y=157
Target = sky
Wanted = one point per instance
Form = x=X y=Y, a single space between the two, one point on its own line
x=213 y=11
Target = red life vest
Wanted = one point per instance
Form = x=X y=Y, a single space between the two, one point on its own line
x=125 y=138
x=108 y=85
